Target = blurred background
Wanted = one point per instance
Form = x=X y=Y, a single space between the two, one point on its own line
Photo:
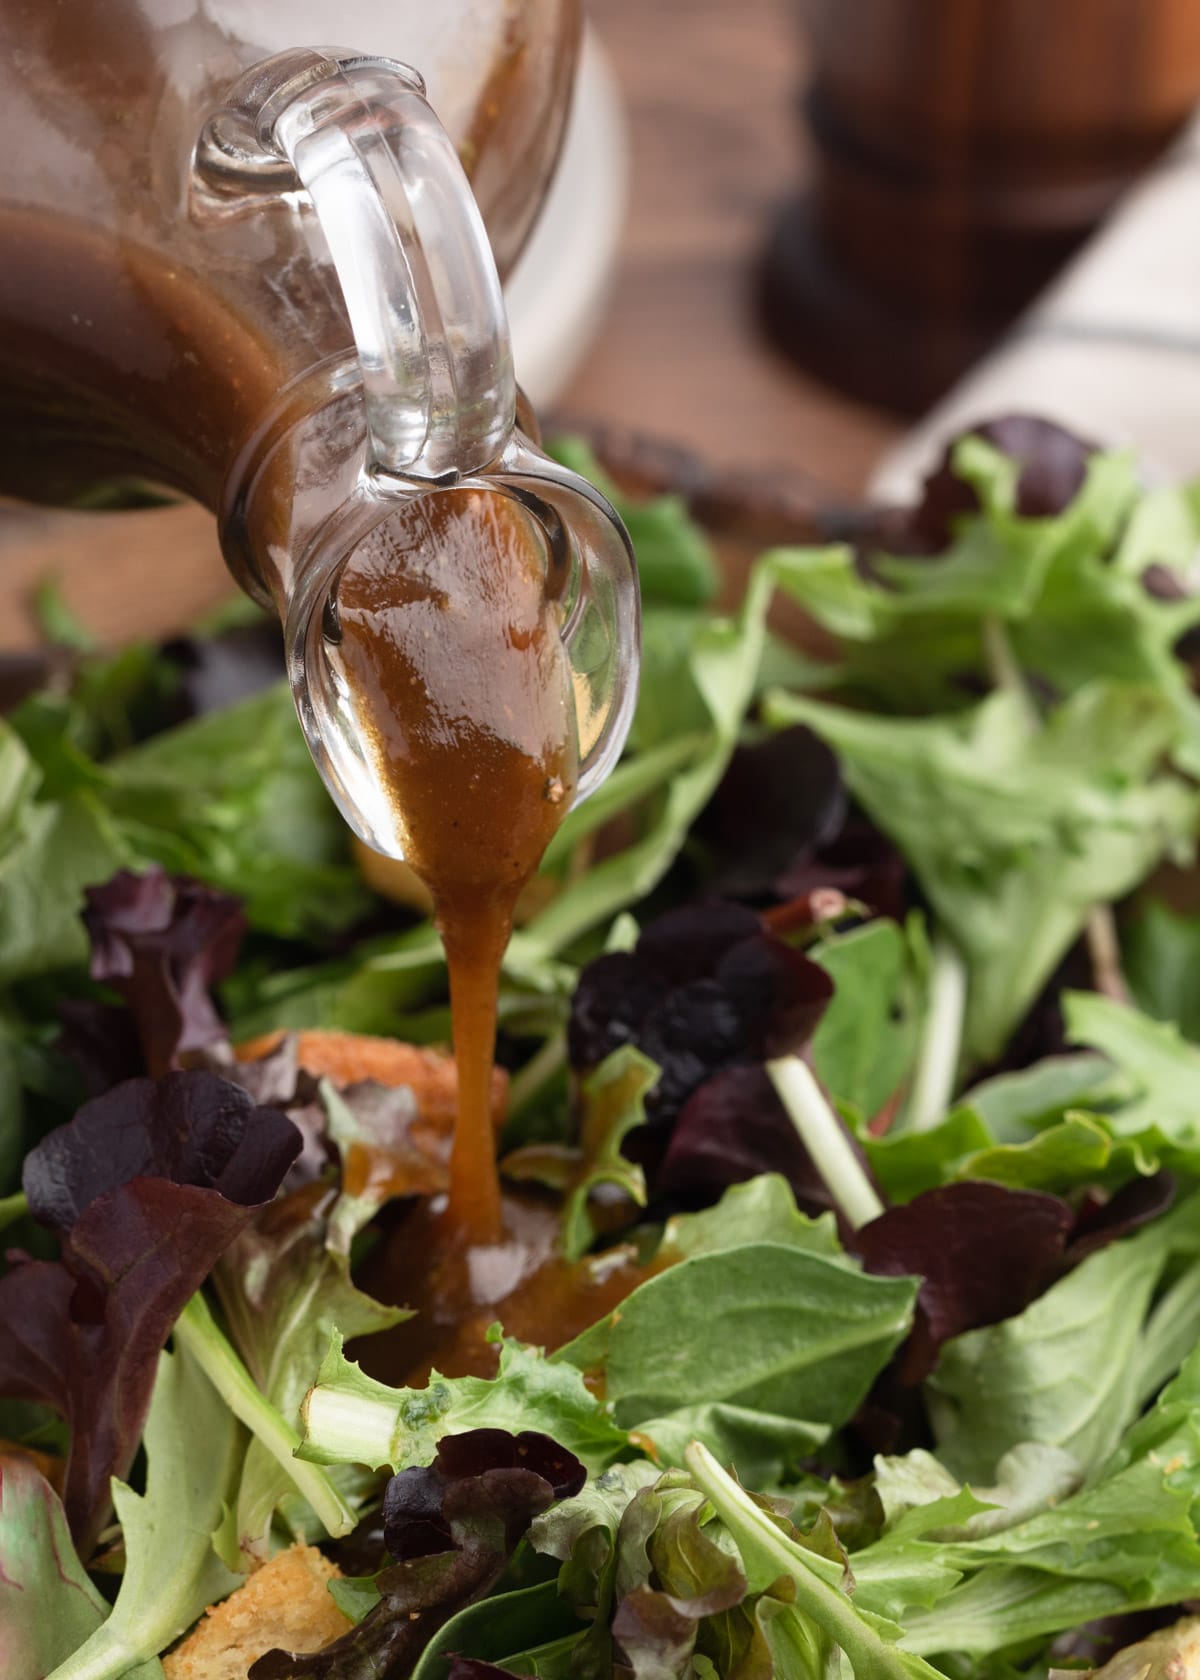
x=782 y=230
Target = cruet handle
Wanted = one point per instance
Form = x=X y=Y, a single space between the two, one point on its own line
x=357 y=136
x=406 y=238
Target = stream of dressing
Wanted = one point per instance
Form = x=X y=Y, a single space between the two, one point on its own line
x=450 y=646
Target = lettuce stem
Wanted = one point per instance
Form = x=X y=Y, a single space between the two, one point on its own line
x=825 y=1137
x=768 y=1553
x=197 y=1330
x=12 y=1207
x=1005 y=672
x=941 y=1039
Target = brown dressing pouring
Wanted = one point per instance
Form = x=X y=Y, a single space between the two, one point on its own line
x=449 y=644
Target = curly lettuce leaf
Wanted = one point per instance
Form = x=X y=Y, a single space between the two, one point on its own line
x=349 y=1417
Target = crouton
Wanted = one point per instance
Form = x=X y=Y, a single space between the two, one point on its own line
x=348 y=1057
x=285 y=1603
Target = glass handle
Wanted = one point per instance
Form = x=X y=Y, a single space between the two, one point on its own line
x=407 y=241
x=357 y=135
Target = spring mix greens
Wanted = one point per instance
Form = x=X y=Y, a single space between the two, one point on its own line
x=860 y=1010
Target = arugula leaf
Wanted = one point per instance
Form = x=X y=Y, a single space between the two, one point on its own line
x=172 y=1570
x=1015 y=836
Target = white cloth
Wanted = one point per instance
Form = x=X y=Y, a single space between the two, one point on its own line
x=1111 y=350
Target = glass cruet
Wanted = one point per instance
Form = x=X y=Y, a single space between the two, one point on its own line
x=301 y=325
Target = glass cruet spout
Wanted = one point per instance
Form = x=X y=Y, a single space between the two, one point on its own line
x=425 y=424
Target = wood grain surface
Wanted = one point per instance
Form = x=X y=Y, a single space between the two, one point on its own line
x=711 y=95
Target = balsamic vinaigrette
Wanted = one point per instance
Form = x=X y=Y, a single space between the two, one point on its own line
x=448 y=639
x=450 y=646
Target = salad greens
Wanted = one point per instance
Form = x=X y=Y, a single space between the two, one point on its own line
x=857 y=1018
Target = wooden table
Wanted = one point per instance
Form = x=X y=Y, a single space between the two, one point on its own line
x=711 y=91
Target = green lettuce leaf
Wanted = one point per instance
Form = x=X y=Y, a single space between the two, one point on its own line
x=285 y=1287
x=1151 y=1100
x=234 y=799
x=814 y=1612
x=866 y=1042
x=1042 y=1376
x=771 y=1328
x=1127 y=1540
x=349 y=1417
x=48 y=1606
x=675 y=559
x=762 y=1210
x=49 y=851
x=1015 y=836
x=172 y=1570
x=1068 y=591
x=1161 y=958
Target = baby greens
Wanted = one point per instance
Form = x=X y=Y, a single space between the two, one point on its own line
x=856 y=1011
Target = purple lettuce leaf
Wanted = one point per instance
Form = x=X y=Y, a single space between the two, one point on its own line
x=219 y=670
x=779 y=798
x=732 y=1128
x=1101 y=1221
x=451 y=1526
x=709 y=995
x=779 y=827
x=162 y=942
x=706 y=987
x=145 y=1189
x=983 y=1252
x=1053 y=463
